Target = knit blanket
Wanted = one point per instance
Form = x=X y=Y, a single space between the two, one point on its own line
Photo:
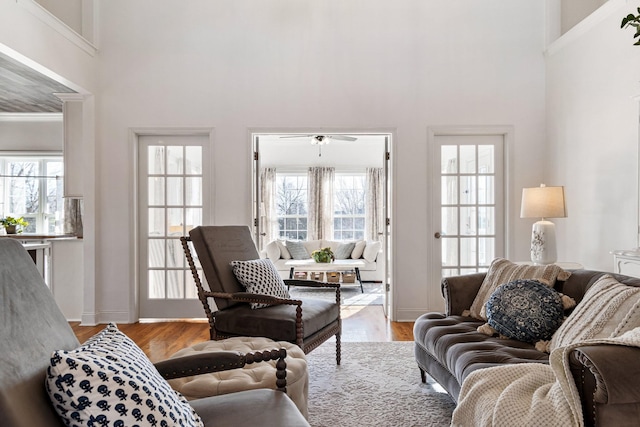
x=528 y=394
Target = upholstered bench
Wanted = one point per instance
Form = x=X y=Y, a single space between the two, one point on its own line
x=252 y=376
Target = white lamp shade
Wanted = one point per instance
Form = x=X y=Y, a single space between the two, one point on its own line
x=543 y=202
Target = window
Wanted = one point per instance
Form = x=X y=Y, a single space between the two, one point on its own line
x=31 y=187
x=349 y=206
x=291 y=206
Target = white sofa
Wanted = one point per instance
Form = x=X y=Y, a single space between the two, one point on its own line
x=368 y=251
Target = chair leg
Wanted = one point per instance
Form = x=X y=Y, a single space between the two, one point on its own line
x=423 y=376
x=338 y=349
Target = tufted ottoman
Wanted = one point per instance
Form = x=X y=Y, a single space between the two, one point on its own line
x=253 y=376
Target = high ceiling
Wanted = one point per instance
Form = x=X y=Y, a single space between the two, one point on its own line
x=24 y=90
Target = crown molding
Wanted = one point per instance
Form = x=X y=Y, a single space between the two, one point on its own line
x=30 y=117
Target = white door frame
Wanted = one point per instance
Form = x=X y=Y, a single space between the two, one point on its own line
x=388 y=239
x=434 y=293
x=134 y=137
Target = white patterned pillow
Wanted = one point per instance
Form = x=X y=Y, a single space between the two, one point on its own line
x=110 y=381
x=260 y=277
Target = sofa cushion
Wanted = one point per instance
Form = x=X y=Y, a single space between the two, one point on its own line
x=260 y=277
x=358 y=249
x=273 y=251
x=298 y=250
x=503 y=271
x=110 y=381
x=371 y=251
x=525 y=310
x=344 y=250
x=284 y=252
x=607 y=310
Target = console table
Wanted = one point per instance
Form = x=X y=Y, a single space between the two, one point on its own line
x=627 y=262
x=337 y=265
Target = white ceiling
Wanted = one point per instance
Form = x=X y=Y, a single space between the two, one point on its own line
x=299 y=153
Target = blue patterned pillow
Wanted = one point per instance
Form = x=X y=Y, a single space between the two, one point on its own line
x=297 y=250
x=525 y=310
x=110 y=381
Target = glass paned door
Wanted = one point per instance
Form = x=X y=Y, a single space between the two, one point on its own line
x=470 y=220
x=172 y=185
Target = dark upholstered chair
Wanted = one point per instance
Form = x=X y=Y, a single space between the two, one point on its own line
x=306 y=323
x=33 y=327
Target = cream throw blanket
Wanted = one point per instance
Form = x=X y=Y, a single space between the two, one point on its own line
x=527 y=394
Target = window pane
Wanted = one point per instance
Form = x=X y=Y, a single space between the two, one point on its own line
x=156 y=284
x=175 y=284
x=174 y=191
x=467 y=159
x=193 y=191
x=174 y=216
x=156 y=253
x=468 y=221
x=193 y=163
x=156 y=222
x=449 y=221
x=156 y=191
x=486 y=221
x=467 y=190
x=449 y=159
x=156 y=160
x=485 y=159
x=193 y=217
x=449 y=190
x=486 y=190
x=175 y=254
x=468 y=251
x=449 y=251
x=486 y=251
x=175 y=160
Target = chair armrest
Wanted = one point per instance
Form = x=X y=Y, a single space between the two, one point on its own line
x=460 y=291
x=208 y=362
x=262 y=299
x=311 y=283
x=607 y=375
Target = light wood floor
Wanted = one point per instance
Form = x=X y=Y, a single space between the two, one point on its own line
x=162 y=339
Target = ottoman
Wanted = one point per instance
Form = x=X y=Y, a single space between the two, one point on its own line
x=253 y=376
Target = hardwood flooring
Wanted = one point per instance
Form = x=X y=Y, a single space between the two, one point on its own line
x=159 y=340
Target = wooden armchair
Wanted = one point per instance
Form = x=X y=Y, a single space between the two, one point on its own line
x=33 y=327
x=306 y=323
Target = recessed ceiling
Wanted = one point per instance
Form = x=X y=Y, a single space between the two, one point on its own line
x=24 y=90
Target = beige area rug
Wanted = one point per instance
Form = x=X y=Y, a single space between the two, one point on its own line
x=350 y=294
x=377 y=384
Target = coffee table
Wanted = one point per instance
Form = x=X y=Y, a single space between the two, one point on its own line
x=337 y=265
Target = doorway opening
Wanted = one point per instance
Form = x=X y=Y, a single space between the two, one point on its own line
x=326 y=189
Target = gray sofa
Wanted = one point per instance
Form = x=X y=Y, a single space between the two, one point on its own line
x=33 y=327
x=449 y=348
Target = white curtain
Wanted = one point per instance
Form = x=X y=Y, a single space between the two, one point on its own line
x=320 y=202
x=374 y=221
x=268 y=214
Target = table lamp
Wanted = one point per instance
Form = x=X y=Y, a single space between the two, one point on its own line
x=543 y=202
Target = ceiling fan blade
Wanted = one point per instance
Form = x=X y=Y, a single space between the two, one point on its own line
x=342 y=137
x=296 y=136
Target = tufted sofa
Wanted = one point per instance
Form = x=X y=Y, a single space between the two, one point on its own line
x=363 y=250
x=449 y=348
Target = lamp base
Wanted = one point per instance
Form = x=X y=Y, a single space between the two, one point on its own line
x=543 y=243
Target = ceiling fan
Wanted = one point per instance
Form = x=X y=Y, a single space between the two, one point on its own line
x=320 y=140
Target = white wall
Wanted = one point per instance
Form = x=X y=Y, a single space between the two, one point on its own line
x=593 y=73
x=35 y=135
x=357 y=64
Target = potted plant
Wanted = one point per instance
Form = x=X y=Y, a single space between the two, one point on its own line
x=633 y=21
x=11 y=224
x=323 y=255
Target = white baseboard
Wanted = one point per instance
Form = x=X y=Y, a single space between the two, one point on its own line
x=409 y=314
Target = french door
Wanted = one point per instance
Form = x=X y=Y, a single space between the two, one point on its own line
x=469 y=187
x=172 y=199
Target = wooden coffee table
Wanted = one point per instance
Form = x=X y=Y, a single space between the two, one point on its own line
x=337 y=265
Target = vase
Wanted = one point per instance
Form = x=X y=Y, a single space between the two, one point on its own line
x=10 y=229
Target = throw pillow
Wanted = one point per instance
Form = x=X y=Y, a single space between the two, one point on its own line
x=297 y=250
x=260 y=277
x=273 y=251
x=344 y=250
x=607 y=310
x=525 y=310
x=284 y=252
x=371 y=251
x=110 y=381
x=503 y=271
x=358 y=249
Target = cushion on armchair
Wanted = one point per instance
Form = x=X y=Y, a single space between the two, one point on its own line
x=110 y=381
x=260 y=277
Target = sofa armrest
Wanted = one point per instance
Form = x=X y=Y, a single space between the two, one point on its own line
x=207 y=362
x=460 y=291
x=607 y=378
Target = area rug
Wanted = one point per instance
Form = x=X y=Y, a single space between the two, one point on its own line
x=377 y=384
x=350 y=294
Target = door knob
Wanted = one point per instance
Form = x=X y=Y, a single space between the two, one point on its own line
x=437 y=235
